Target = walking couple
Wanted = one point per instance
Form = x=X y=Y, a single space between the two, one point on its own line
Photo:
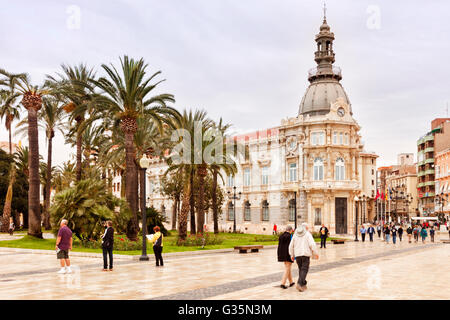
x=298 y=246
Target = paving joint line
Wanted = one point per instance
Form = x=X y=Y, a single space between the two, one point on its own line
x=216 y=290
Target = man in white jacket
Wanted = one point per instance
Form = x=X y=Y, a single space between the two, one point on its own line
x=302 y=248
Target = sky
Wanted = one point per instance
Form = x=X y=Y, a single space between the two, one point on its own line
x=247 y=61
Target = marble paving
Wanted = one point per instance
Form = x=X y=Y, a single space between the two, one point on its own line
x=354 y=270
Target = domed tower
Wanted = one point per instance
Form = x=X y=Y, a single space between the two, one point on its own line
x=325 y=87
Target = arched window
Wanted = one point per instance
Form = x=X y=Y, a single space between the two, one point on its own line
x=339 y=169
x=230 y=212
x=318 y=169
x=292 y=210
x=265 y=210
x=247 y=211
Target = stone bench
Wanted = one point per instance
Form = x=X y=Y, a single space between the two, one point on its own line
x=338 y=241
x=244 y=249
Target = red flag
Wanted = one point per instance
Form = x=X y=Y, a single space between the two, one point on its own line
x=378 y=194
x=382 y=196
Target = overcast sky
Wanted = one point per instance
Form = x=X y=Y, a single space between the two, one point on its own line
x=247 y=60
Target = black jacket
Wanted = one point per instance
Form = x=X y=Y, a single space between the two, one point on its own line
x=283 y=247
x=326 y=231
x=108 y=239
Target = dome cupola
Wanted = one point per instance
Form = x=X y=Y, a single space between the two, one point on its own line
x=325 y=87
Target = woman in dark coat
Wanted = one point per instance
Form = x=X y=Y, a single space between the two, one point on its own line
x=283 y=256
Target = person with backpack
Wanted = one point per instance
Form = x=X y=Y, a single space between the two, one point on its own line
x=423 y=234
x=387 y=232
x=416 y=233
x=409 y=232
x=400 y=233
x=394 y=233
x=432 y=231
x=158 y=246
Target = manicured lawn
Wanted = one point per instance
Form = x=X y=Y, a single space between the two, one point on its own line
x=229 y=241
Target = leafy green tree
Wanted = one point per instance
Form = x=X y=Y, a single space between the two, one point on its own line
x=85 y=206
x=155 y=218
x=19 y=202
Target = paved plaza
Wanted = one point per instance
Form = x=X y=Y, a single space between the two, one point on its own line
x=347 y=271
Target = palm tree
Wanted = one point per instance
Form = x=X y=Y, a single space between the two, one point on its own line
x=50 y=119
x=226 y=164
x=32 y=102
x=73 y=84
x=64 y=175
x=126 y=98
x=8 y=97
x=193 y=123
x=21 y=157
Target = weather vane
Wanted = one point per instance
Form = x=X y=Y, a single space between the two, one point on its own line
x=324 y=11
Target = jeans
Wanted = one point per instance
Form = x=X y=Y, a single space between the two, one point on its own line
x=158 y=255
x=387 y=238
x=108 y=252
x=303 y=268
x=371 y=237
x=323 y=241
x=379 y=233
x=363 y=236
x=394 y=238
x=400 y=236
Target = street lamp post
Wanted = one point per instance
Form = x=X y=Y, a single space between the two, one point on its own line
x=234 y=197
x=144 y=164
x=440 y=200
x=295 y=207
x=356 y=218
x=364 y=208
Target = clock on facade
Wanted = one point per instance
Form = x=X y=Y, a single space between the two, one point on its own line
x=291 y=144
x=341 y=112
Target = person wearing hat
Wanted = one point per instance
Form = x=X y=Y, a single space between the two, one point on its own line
x=301 y=249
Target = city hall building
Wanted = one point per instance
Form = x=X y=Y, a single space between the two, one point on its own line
x=317 y=156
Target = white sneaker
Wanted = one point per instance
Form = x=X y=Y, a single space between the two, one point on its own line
x=68 y=270
x=62 y=270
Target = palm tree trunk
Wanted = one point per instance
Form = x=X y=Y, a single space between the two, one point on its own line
x=10 y=141
x=192 y=200
x=79 y=167
x=182 y=221
x=47 y=224
x=174 y=213
x=201 y=198
x=214 y=203
x=130 y=185
x=8 y=200
x=34 y=209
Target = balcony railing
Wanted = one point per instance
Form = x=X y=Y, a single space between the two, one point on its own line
x=315 y=72
x=331 y=185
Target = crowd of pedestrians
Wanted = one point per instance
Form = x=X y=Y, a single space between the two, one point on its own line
x=395 y=231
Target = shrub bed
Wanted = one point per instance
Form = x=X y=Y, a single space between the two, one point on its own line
x=121 y=243
x=197 y=240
